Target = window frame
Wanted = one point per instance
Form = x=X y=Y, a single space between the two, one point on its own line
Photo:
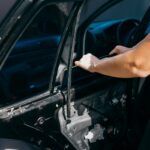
x=16 y=32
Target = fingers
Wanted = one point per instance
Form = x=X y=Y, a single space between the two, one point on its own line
x=84 y=58
x=121 y=48
x=86 y=62
x=118 y=50
x=81 y=65
x=113 y=52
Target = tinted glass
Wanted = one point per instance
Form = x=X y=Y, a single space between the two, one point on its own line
x=28 y=69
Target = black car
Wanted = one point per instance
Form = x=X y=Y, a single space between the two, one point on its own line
x=46 y=102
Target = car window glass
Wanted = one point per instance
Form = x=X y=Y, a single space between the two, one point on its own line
x=28 y=68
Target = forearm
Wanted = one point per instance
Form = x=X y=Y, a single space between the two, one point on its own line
x=134 y=63
x=130 y=62
x=122 y=66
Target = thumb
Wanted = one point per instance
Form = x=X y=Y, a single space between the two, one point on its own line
x=118 y=49
x=77 y=63
x=113 y=52
x=122 y=48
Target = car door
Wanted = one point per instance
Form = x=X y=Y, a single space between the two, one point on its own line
x=36 y=115
x=28 y=53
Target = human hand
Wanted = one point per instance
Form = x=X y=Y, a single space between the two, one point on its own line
x=119 y=50
x=87 y=62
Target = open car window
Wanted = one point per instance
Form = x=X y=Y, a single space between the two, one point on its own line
x=28 y=68
x=134 y=9
x=114 y=27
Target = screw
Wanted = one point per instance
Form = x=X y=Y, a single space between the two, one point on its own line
x=41 y=120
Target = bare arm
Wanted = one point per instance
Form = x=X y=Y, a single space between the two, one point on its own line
x=134 y=62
